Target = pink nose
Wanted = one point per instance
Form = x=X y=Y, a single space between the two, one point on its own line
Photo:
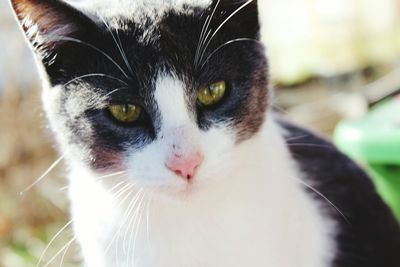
x=184 y=166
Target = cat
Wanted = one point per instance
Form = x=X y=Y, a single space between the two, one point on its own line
x=162 y=110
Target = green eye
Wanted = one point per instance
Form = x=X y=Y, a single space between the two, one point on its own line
x=125 y=113
x=212 y=94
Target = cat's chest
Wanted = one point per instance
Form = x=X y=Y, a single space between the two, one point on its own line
x=245 y=240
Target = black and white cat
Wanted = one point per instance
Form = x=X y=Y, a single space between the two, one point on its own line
x=162 y=108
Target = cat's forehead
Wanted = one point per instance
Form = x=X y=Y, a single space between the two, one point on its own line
x=142 y=18
x=138 y=10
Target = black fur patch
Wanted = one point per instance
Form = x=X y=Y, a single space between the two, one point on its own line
x=370 y=235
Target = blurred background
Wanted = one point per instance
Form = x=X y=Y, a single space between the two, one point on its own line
x=331 y=62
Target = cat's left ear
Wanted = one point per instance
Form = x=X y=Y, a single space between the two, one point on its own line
x=49 y=24
x=244 y=17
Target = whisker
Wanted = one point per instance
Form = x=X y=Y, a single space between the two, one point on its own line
x=309 y=145
x=99 y=179
x=200 y=39
x=137 y=221
x=208 y=25
x=110 y=175
x=221 y=25
x=116 y=186
x=126 y=189
x=118 y=206
x=52 y=240
x=204 y=50
x=114 y=91
x=95 y=75
x=64 y=254
x=59 y=252
x=94 y=101
x=324 y=197
x=64 y=188
x=225 y=44
x=148 y=220
x=119 y=46
x=120 y=192
x=41 y=177
x=128 y=215
x=124 y=217
x=278 y=108
x=296 y=137
x=70 y=39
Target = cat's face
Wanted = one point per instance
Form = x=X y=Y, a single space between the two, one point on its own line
x=165 y=94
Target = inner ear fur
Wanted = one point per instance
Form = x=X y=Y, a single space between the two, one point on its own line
x=47 y=22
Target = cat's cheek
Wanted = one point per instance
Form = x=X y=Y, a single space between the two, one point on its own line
x=218 y=145
x=147 y=169
x=104 y=160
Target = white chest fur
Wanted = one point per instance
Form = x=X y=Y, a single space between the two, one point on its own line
x=261 y=216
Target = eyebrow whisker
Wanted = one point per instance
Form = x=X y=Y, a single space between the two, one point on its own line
x=95 y=75
x=226 y=44
x=221 y=25
x=70 y=39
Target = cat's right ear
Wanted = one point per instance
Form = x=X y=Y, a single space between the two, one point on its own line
x=48 y=24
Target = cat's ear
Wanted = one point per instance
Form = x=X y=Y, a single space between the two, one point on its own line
x=48 y=24
x=243 y=17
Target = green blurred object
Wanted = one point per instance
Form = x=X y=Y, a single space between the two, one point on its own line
x=374 y=142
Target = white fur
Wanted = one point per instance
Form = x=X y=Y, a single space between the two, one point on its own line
x=171 y=101
x=245 y=208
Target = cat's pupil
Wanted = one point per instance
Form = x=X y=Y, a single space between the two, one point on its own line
x=125 y=108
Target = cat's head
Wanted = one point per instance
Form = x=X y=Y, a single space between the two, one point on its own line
x=165 y=91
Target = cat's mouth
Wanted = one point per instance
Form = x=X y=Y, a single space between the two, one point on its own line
x=176 y=186
x=183 y=188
